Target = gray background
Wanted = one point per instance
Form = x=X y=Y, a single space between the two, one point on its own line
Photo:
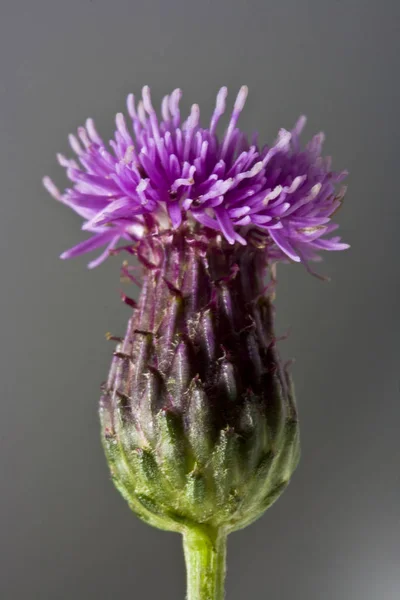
x=65 y=532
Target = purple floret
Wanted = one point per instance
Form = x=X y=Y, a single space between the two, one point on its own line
x=157 y=175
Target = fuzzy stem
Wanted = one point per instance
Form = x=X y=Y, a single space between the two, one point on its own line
x=205 y=557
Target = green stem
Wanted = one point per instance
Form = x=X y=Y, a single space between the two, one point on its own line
x=205 y=557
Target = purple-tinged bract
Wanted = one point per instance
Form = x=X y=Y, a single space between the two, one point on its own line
x=158 y=174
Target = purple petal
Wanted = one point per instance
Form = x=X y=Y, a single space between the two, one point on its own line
x=97 y=261
x=225 y=224
x=87 y=245
x=175 y=214
x=283 y=243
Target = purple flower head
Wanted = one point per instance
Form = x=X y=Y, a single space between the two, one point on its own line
x=163 y=174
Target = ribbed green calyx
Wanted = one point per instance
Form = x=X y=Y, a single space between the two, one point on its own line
x=198 y=417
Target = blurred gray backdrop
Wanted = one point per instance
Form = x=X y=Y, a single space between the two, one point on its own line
x=65 y=532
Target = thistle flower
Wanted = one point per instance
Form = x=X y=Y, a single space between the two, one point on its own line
x=199 y=422
x=158 y=175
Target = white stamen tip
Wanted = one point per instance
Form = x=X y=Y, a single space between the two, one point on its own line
x=142 y=113
x=241 y=98
x=272 y=195
x=129 y=154
x=174 y=101
x=315 y=190
x=176 y=94
x=194 y=115
x=284 y=138
x=164 y=108
x=51 y=188
x=75 y=145
x=130 y=105
x=63 y=161
x=91 y=129
x=300 y=124
x=82 y=133
x=221 y=99
x=147 y=99
x=120 y=120
x=257 y=168
x=142 y=185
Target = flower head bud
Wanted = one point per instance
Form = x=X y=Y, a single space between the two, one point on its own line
x=198 y=416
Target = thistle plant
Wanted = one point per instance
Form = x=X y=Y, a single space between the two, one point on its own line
x=198 y=415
